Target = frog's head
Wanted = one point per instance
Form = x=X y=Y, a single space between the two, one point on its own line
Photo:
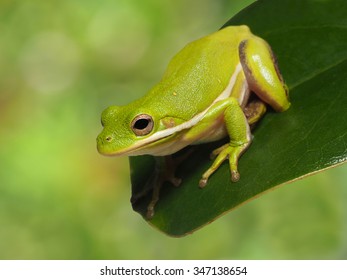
x=122 y=130
x=129 y=131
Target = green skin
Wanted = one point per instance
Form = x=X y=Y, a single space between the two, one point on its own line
x=201 y=98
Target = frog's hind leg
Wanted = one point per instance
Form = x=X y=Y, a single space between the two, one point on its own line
x=262 y=74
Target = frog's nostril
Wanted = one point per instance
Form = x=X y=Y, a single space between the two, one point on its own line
x=109 y=138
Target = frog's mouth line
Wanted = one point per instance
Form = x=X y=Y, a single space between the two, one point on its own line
x=185 y=125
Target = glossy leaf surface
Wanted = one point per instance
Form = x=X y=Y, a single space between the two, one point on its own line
x=309 y=38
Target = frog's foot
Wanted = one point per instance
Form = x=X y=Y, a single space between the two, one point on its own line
x=165 y=170
x=226 y=151
x=254 y=110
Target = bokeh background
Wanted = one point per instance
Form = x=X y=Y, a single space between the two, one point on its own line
x=63 y=62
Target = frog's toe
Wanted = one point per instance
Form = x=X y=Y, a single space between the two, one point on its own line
x=175 y=181
x=217 y=151
x=150 y=213
x=203 y=182
x=235 y=176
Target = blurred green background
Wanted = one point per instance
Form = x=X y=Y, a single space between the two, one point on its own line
x=63 y=62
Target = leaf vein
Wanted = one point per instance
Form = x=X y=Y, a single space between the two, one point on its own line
x=317 y=73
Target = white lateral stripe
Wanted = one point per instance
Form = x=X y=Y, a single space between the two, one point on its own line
x=188 y=124
x=244 y=89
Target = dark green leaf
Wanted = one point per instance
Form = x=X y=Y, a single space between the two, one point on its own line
x=309 y=38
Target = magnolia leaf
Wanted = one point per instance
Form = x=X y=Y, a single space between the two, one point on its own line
x=309 y=38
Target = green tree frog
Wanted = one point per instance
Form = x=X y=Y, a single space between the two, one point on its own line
x=204 y=96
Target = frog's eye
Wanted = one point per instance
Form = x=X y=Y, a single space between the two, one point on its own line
x=142 y=124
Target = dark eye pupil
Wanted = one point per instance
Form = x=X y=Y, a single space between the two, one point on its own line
x=141 y=124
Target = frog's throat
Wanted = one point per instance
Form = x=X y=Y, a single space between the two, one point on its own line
x=135 y=149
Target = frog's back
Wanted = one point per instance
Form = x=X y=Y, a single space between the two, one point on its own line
x=198 y=73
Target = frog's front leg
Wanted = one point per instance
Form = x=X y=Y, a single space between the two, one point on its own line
x=240 y=138
x=164 y=171
x=262 y=73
